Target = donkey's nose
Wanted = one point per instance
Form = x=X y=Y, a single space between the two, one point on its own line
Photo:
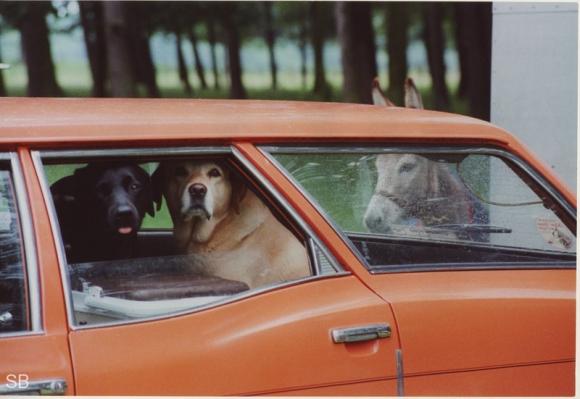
x=197 y=190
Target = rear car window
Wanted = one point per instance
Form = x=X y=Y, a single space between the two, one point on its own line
x=14 y=310
x=406 y=208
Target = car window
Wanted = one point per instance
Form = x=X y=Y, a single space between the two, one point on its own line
x=405 y=209
x=14 y=313
x=146 y=237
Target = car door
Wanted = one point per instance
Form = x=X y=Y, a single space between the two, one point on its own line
x=325 y=333
x=33 y=332
x=474 y=250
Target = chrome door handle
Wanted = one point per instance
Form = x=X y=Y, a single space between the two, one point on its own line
x=363 y=333
x=44 y=387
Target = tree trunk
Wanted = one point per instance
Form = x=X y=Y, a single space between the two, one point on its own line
x=303 y=60
x=357 y=42
x=212 y=43
x=181 y=66
x=237 y=89
x=123 y=81
x=196 y=58
x=141 y=58
x=397 y=26
x=321 y=87
x=2 y=84
x=36 y=50
x=270 y=37
x=478 y=17
x=94 y=32
x=462 y=46
x=435 y=44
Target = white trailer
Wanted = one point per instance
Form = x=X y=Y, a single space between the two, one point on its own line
x=534 y=79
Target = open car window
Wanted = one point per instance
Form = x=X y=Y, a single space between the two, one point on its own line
x=149 y=236
x=407 y=209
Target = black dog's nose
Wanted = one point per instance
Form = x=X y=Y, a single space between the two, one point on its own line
x=123 y=212
x=197 y=190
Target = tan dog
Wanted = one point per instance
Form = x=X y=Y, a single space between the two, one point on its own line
x=217 y=218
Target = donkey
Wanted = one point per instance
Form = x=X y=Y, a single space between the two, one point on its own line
x=413 y=190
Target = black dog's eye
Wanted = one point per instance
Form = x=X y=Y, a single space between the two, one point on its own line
x=180 y=171
x=214 y=173
x=135 y=186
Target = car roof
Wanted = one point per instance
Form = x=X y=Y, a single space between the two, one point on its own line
x=46 y=121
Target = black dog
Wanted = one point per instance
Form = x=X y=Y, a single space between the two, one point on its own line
x=100 y=209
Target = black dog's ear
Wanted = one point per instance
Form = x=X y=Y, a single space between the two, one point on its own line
x=157 y=179
x=65 y=189
x=146 y=200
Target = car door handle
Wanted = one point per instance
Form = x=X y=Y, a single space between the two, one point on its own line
x=363 y=333
x=24 y=387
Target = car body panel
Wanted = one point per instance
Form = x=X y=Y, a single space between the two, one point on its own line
x=501 y=332
x=44 y=355
x=275 y=342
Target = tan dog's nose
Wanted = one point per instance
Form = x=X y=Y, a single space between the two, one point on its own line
x=197 y=190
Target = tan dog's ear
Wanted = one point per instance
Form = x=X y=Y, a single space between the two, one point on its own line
x=239 y=189
x=157 y=179
x=379 y=97
x=412 y=96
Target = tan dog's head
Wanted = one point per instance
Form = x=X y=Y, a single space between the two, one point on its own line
x=197 y=190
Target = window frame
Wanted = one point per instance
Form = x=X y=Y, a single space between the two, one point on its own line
x=28 y=248
x=256 y=177
x=269 y=150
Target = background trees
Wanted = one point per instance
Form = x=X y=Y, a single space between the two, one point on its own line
x=291 y=50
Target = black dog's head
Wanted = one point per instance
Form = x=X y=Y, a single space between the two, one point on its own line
x=112 y=197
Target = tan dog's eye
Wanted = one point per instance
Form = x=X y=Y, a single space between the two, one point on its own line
x=214 y=173
x=180 y=171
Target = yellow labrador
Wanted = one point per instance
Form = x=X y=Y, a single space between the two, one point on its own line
x=217 y=218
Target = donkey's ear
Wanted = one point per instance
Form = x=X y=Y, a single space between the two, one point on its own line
x=412 y=96
x=379 y=97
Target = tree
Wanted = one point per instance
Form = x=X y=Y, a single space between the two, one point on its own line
x=181 y=65
x=211 y=38
x=196 y=58
x=30 y=19
x=91 y=13
x=356 y=35
x=270 y=38
x=476 y=32
x=293 y=25
x=397 y=20
x=2 y=84
x=230 y=19
x=318 y=32
x=137 y=15
x=435 y=44
x=120 y=70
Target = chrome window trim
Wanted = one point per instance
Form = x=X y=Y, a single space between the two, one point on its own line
x=38 y=156
x=343 y=148
x=29 y=249
x=133 y=152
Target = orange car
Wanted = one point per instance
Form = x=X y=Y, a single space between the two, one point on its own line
x=176 y=247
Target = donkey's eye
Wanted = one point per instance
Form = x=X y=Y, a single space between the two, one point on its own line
x=214 y=173
x=180 y=171
x=406 y=167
